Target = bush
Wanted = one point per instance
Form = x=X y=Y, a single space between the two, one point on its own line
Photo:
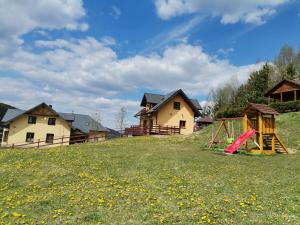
x=283 y=107
x=229 y=112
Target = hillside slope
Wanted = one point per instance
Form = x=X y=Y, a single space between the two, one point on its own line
x=146 y=180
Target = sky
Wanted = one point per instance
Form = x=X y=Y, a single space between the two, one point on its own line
x=94 y=57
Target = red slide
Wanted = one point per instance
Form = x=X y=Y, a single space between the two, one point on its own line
x=239 y=141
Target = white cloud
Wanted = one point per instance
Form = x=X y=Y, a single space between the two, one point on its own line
x=253 y=11
x=86 y=75
x=224 y=52
x=24 y=94
x=20 y=17
x=179 y=34
x=116 y=12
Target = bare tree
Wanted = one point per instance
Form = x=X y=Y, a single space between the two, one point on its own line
x=121 y=119
x=96 y=116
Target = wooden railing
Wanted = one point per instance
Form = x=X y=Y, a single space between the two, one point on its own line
x=137 y=130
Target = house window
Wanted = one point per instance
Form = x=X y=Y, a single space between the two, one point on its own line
x=5 y=136
x=51 y=121
x=29 y=137
x=182 y=123
x=49 y=138
x=31 y=119
x=176 y=105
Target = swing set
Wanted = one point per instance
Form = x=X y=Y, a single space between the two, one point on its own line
x=258 y=125
x=227 y=124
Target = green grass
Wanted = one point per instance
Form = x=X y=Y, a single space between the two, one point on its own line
x=174 y=180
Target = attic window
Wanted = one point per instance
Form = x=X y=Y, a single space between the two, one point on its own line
x=176 y=105
x=31 y=119
x=52 y=121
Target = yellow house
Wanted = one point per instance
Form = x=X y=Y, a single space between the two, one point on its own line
x=172 y=110
x=42 y=126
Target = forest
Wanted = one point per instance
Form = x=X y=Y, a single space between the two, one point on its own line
x=230 y=99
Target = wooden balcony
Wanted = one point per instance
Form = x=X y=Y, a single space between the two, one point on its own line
x=137 y=130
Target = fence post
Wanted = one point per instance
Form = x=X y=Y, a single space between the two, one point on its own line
x=13 y=146
x=38 y=143
x=62 y=140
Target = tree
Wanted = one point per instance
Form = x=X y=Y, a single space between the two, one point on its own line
x=97 y=116
x=121 y=119
x=291 y=72
x=224 y=97
x=96 y=120
x=286 y=62
x=258 y=84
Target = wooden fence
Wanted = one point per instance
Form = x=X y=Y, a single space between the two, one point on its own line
x=137 y=130
x=58 y=141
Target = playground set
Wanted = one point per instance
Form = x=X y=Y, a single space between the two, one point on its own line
x=258 y=126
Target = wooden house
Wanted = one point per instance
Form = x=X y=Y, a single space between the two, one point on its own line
x=42 y=126
x=173 y=113
x=284 y=91
x=204 y=121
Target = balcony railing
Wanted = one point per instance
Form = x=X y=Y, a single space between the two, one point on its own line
x=137 y=130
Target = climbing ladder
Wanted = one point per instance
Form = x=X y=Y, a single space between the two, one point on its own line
x=279 y=147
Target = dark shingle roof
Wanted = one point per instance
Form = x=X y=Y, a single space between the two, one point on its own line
x=196 y=104
x=171 y=95
x=205 y=119
x=11 y=114
x=157 y=98
x=81 y=122
x=154 y=98
x=261 y=108
x=84 y=123
x=3 y=108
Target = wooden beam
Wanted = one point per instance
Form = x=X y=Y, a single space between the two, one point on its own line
x=260 y=133
x=245 y=128
x=273 y=143
x=234 y=118
x=295 y=95
x=281 y=96
x=216 y=135
x=282 y=145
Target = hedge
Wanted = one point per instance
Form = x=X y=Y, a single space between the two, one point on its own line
x=229 y=113
x=282 y=107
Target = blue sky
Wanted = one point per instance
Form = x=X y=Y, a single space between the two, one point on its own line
x=96 y=56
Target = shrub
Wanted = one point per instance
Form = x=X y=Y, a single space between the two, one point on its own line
x=283 y=107
x=229 y=112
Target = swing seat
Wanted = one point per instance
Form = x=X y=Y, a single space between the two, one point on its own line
x=230 y=140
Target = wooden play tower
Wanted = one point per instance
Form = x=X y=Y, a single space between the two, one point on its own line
x=262 y=119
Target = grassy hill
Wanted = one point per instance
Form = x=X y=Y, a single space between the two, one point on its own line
x=288 y=127
x=174 y=180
